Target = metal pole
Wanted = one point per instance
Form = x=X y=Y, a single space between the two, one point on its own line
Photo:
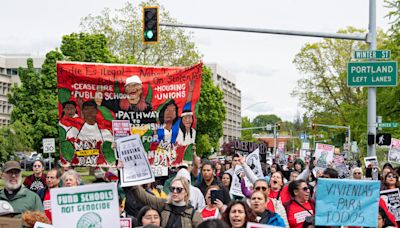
x=371 y=39
x=361 y=37
x=274 y=140
x=291 y=132
x=49 y=161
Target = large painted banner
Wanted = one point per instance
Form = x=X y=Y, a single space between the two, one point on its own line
x=344 y=202
x=160 y=103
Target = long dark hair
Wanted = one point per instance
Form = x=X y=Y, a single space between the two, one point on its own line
x=183 y=128
x=250 y=215
x=162 y=111
x=143 y=211
x=230 y=178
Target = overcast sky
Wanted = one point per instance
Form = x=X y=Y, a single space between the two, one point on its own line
x=262 y=63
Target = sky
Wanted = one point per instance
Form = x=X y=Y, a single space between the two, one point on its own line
x=261 y=63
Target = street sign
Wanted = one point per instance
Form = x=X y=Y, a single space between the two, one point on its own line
x=269 y=127
x=383 y=139
x=388 y=125
x=49 y=145
x=372 y=74
x=377 y=54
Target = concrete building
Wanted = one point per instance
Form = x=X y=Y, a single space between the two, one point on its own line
x=9 y=64
x=232 y=100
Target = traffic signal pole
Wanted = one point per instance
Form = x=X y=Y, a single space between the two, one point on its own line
x=370 y=38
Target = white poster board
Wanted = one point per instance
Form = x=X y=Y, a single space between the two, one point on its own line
x=254 y=162
x=392 y=200
x=42 y=225
x=236 y=188
x=371 y=161
x=394 y=151
x=94 y=205
x=323 y=154
x=137 y=168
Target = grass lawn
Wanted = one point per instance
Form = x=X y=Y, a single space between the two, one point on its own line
x=83 y=171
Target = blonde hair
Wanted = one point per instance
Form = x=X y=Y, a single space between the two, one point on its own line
x=356 y=169
x=185 y=185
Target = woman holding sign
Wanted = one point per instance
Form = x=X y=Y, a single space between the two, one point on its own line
x=177 y=211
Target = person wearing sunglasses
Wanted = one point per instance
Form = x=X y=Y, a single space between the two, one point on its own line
x=176 y=211
x=391 y=181
x=264 y=216
x=271 y=204
x=301 y=206
x=37 y=180
x=357 y=173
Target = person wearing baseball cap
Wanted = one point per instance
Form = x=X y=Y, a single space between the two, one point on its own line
x=20 y=198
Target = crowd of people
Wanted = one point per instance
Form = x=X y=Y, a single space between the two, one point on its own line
x=197 y=195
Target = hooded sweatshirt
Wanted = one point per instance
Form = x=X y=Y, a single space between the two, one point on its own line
x=196 y=198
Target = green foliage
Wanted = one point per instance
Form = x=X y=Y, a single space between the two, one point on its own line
x=123 y=30
x=323 y=91
x=212 y=111
x=247 y=135
x=203 y=145
x=264 y=120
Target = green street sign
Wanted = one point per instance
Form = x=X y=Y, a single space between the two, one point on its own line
x=377 y=54
x=372 y=74
x=388 y=125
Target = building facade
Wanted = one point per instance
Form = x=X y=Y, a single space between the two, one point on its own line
x=232 y=101
x=9 y=64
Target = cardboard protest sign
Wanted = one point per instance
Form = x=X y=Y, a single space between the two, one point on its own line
x=236 y=188
x=253 y=161
x=371 y=161
x=392 y=200
x=121 y=128
x=126 y=222
x=136 y=169
x=323 y=154
x=94 y=205
x=345 y=202
x=340 y=166
x=155 y=100
x=394 y=151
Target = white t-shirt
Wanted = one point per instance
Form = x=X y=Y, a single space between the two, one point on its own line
x=188 y=140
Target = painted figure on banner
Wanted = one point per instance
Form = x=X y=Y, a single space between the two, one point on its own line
x=88 y=138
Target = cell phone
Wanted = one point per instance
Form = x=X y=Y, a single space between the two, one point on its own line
x=216 y=194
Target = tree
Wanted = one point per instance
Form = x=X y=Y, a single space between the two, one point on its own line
x=323 y=92
x=264 y=120
x=123 y=29
x=211 y=111
x=247 y=135
x=203 y=145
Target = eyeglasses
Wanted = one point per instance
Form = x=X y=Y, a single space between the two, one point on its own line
x=391 y=176
x=13 y=172
x=261 y=188
x=304 y=189
x=175 y=189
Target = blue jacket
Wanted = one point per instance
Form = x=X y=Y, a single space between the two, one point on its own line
x=271 y=218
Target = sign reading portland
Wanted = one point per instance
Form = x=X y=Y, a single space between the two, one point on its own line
x=372 y=74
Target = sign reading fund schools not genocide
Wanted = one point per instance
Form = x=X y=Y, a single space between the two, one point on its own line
x=160 y=104
x=343 y=202
x=94 y=205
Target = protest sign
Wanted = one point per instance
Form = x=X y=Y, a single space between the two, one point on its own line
x=236 y=188
x=253 y=161
x=121 y=128
x=92 y=95
x=281 y=154
x=371 y=162
x=323 y=154
x=340 y=166
x=392 y=200
x=136 y=170
x=126 y=222
x=42 y=225
x=94 y=205
x=248 y=147
x=344 y=202
x=394 y=151
x=258 y=225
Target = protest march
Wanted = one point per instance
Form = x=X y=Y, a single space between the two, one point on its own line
x=135 y=126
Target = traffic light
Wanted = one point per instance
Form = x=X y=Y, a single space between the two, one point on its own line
x=313 y=126
x=383 y=139
x=278 y=126
x=150 y=24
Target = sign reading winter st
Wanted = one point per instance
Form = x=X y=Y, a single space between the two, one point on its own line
x=372 y=74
